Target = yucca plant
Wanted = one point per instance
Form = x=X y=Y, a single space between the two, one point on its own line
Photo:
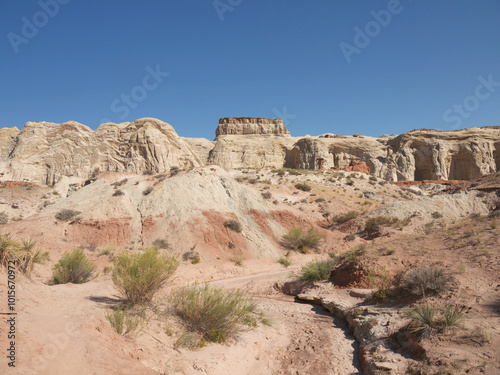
x=423 y=320
x=21 y=253
x=453 y=317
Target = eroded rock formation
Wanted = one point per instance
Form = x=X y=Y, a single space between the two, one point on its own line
x=43 y=152
x=416 y=155
x=450 y=155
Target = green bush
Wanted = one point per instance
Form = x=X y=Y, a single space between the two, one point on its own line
x=424 y=281
x=123 y=322
x=284 y=261
x=316 y=270
x=300 y=240
x=139 y=277
x=217 y=314
x=303 y=186
x=73 y=267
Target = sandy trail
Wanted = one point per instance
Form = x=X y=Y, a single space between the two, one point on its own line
x=317 y=342
x=304 y=339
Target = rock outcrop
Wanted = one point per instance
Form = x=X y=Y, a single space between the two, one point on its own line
x=43 y=152
x=451 y=155
x=250 y=125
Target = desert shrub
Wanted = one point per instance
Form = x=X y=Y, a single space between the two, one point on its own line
x=73 y=267
x=4 y=218
x=300 y=240
x=147 y=191
x=160 y=243
x=190 y=255
x=303 y=186
x=284 y=261
x=340 y=219
x=121 y=183
x=316 y=270
x=374 y=224
x=437 y=215
x=67 y=215
x=319 y=200
x=373 y=178
x=40 y=257
x=237 y=260
x=190 y=340
x=267 y=195
x=428 y=227
x=350 y=237
x=118 y=193
x=252 y=181
x=281 y=172
x=353 y=255
x=234 y=225
x=453 y=317
x=140 y=276
x=20 y=252
x=107 y=270
x=349 y=182
x=423 y=320
x=123 y=322
x=148 y=173
x=493 y=225
x=381 y=280
x=196 y=259
x=217 y=314
x=107 y=251
x=294 y=172
x=424 y=281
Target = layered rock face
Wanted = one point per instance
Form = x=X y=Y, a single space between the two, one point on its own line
x=416 y=155
x=250 y=125
x=450 y=155
x=43 y=152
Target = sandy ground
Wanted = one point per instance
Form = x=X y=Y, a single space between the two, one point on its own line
x=62 y=330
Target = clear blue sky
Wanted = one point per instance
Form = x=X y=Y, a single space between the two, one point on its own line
x=259 y=58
